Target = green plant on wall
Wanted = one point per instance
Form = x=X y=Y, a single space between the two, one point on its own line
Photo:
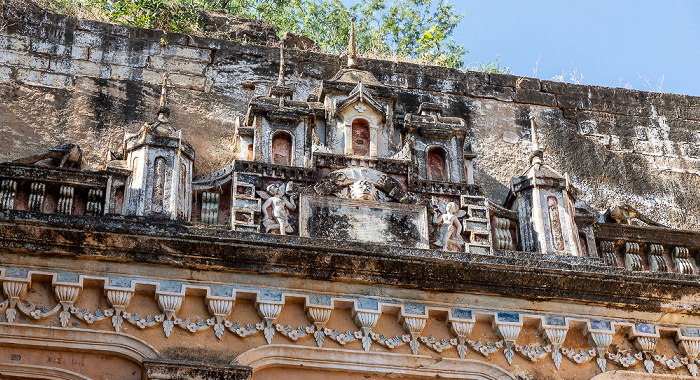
x=399 y=29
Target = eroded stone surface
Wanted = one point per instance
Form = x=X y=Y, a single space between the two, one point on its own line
x=642 y=147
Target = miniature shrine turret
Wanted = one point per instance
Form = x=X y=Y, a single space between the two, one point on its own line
x=545 y=201
x=161 y=161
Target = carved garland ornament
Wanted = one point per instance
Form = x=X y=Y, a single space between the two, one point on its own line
x=221 y=308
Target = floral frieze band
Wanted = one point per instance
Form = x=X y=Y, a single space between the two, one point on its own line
x=507 y=325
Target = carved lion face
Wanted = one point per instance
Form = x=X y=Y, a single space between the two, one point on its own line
x=362 y=189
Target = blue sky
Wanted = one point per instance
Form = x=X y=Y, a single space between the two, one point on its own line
x=611 y=43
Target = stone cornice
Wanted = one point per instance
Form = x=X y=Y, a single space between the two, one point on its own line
x=508 y=273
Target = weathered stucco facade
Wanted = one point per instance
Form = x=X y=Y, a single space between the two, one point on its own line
x=173 y=207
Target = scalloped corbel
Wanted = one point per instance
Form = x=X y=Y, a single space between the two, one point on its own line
x=119 y=299
x=13 y=291
x=555 y=337
x=169 y=304
x=366 y=321
x=509 y=333
x=66 y=295
x=647 y=345
x=319 y=316
x=414 y=326
x=691 y=348
x=600 y=342
x=269 y=312
x=462 y=330
x=221 y=308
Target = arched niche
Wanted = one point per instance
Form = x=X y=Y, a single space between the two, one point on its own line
x=119 y=353
x=437 y=164
x=271 y=361
x=281 y=150
x=361 y=140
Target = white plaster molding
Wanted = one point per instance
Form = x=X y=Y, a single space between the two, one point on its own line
x=414 y=326
x=556 y=337
x=25 y=371
x=66 y=295
x=600 y=342
x=330 y=359
x=628 y=375
x=269 y=312
x=119 y=299
x=13 y=291
x=169 y=304
x=81 y=340
x=647 y=345
x=221 y=308
x=366 y=321
x=691 y=348
x=509 y=333
x=319 y=316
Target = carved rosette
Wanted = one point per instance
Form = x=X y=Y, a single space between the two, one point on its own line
x=169 y=304
x=414 y=326
x=269 y=312
x=647 y=344
x=600 y=342
x=509 y=333
x=319 y=316
x=691 y=348
x=221 y=308
x=556 y=338
x=366 y=321
x=13 y=291
x=119 y=299
x=66 y=295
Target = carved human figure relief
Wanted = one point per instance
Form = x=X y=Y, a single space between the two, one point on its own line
x=555 y=223
x=275 y=214
x=182 y=193
x=446 y=217
x=363 y=189
x=158 y=185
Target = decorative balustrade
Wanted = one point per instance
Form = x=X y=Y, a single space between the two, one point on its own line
x=666 y=250
x=52 y=189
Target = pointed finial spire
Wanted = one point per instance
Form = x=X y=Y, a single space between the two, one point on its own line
x=164 y=111
x=280 y=78
x=352 y=53
x=536 y=155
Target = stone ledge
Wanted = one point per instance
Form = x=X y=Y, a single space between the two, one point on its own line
x=161 y=369
x=506 y=273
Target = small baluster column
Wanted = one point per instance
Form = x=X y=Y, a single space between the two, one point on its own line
x=65 y=200
x=36 y=196
x=8 y=193
x=633 y=261
x=657 y=262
